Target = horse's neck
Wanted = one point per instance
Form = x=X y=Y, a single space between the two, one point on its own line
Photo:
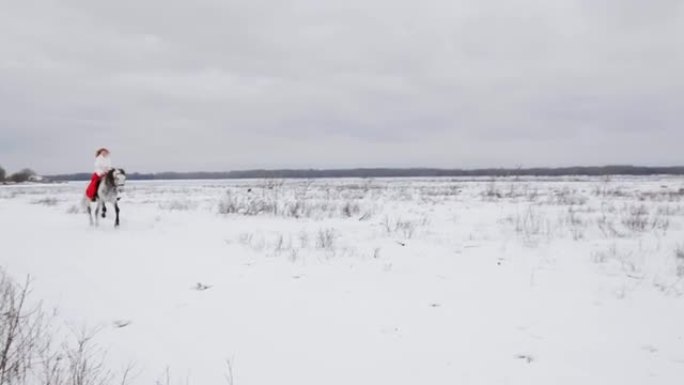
x=107 y=187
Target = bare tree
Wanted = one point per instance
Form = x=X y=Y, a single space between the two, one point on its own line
x=30 y=352
x=23 y=175
x=86 y=362
x=230 y=380
x=20 y=331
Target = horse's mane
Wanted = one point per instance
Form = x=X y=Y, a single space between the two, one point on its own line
x=110 y=177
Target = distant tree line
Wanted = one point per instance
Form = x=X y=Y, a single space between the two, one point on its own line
x=18 y=177
x=393 y=173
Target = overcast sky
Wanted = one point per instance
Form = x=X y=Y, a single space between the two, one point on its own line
x=222 y=84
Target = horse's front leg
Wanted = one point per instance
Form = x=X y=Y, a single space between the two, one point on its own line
x=116 y=210
x=104 y=210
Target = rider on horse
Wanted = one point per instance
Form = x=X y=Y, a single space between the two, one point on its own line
x=102 y=166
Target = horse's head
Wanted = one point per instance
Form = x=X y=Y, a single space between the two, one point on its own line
x=117 y=178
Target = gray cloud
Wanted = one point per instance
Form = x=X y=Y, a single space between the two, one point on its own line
x=217 y=84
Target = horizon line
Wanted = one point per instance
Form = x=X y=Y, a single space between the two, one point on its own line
x=396 y=172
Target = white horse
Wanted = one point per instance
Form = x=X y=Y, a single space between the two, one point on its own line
x=111 y=185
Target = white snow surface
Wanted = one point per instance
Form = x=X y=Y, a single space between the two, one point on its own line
x=382 y=281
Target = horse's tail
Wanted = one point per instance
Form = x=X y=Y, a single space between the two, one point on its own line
x=85 y=202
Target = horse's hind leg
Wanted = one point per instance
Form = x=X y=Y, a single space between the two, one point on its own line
x=97 y=213
x=104 y=210
x=90 y=214
x=116 y=210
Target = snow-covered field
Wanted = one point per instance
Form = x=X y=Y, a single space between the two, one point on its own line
x=385 y=281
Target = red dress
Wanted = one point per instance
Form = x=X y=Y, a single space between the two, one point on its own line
x=91 y=191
